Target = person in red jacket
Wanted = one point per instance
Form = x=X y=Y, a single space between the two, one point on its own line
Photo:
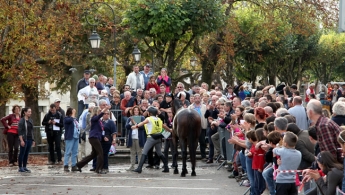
x=258 y=155
x=10 y=123
x=152 y=84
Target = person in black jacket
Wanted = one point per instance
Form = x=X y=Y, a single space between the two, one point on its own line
x=53 y=122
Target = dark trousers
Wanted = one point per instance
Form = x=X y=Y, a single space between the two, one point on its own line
x=123 y=130
x=286 y=189
x=259 y=183
x=54 y=139
x=168 y=144
x=153 y=160
x=13 y=144
x=24 y=154
x=202 y=143
x=80 y=107
x=106 y=148
x=211 y=146
x=97 y=151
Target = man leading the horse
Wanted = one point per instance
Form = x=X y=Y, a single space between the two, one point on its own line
x=153 y=127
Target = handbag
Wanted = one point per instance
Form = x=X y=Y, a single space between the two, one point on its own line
x=157 y=136
x=83 y=136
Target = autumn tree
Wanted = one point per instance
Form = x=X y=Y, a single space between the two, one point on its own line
x=169 y=28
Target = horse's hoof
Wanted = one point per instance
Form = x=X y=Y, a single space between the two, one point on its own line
x=193 y=174
x=175 y=171
x=183 y=175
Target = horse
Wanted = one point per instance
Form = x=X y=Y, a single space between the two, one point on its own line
x=186 y=129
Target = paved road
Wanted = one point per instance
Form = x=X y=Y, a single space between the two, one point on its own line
x=52 y=180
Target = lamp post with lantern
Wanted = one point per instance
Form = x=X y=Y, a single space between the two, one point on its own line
x=95 y=39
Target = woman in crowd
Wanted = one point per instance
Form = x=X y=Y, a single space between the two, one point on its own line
x=136 y=137
x=260 y=116
x=339 y=113
x=238 y=115
x=26 y=137
x=333 y=171
x=95 y=138
x=168 y=141
x=164 y=79
x=71 y=139
x=335 y=93
x=153 y=84
x=10 y=123
x=109 y=137
x=115 y=106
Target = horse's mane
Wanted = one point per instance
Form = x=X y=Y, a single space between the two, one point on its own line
x=176 y=105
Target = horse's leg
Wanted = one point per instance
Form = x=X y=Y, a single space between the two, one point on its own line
x=175 y=154
x=184 y=157
x=192 y=154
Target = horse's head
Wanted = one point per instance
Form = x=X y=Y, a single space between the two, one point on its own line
x=176 y=104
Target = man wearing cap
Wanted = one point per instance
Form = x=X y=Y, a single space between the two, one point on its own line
x=81 y=84
x=146 y=73
x=58 y=108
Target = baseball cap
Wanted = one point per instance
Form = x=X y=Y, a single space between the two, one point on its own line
x=168 y=95
x=57 y=100
x=148 y=65
x=87 y=72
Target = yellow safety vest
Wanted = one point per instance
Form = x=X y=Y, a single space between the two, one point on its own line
x=155 y=125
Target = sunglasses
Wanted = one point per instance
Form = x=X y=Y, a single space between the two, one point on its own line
x=106 y=113
x=341 y=138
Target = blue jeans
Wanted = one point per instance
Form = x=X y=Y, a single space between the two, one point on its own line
x=268 y=176
x=250 y=173
x=106 y=148
x=243 y=161
x=24 y=154
x=259 y=183
x=71 y=151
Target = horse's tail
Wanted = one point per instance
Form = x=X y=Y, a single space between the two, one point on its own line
x=194 y=127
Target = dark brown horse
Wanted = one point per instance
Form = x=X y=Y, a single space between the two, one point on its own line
x=186 y=129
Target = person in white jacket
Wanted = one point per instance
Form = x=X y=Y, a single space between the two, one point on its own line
x=135 y=80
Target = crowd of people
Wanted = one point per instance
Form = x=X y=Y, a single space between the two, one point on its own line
x=274 y=138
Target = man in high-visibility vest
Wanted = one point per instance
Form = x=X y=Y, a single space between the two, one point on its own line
x=153 y=126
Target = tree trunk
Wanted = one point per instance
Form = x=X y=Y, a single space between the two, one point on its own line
x=31 y=101
x=75 y=77
x=3 y=138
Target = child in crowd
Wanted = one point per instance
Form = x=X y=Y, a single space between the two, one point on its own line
x=290 y=160
x=258 y=160
x=273 y=139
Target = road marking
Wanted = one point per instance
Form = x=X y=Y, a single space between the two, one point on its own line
x=124 y=178
x=93 y=186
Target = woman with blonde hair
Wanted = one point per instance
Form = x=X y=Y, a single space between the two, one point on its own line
x=136 y=137
x=95 y=137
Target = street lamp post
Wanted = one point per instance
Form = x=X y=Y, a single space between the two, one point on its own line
x=95 y=39
x=136 y=54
